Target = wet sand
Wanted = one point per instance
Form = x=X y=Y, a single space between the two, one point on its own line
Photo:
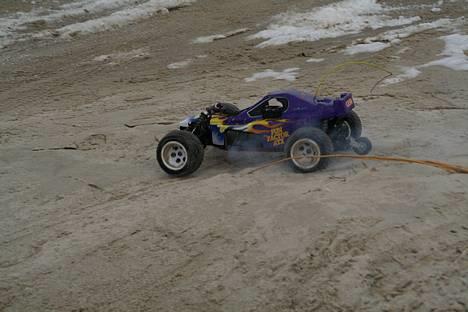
x=89 y=222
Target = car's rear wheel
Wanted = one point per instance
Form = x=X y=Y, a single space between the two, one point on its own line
x=304 y=148
x=180 y=153
x=343 y=131
x=354 y=123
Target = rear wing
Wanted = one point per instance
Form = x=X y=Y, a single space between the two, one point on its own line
x=344 y=104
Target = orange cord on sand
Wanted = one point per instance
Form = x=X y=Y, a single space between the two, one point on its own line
x=438 y=164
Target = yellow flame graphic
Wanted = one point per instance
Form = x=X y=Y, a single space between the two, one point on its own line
x=219 y=121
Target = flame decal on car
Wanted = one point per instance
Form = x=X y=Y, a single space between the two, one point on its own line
x=263 y=126
x=255 y=127
x=219 y=122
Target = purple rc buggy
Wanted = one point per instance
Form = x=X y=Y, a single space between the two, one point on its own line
x=298 y=123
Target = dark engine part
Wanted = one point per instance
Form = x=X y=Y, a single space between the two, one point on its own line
x=201 y=129
x=236 y=138
x=227 y=109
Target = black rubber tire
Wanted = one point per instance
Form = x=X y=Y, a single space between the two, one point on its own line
x=318 y=136
x=194 y=149
x=365 y=146
x=354 y=123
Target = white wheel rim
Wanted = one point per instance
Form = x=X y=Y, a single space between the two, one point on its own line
x=174 y=155
x=302 y=151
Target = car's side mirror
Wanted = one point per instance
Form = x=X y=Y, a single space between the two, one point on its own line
x=272 y=112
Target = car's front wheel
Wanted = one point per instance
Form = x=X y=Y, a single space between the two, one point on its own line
x=180 y=153
x=303 y=147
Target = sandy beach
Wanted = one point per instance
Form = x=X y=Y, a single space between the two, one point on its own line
x=89 y=222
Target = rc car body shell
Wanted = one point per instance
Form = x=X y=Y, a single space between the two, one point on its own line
x=250 y=129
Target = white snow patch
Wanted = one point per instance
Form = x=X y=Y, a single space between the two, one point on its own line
x=394 y=36
x=436 y=7
x=366 y=47
x=17 y=26
x=180 y=64
x=388 y=38
x=87 y=6
x=288 y=74
x=408 y=73
x=455 y=58
x=331 y=21
x=122 y=56
x=454 y=52
x=315 y=60
x=122 y=17
x=208 y=39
